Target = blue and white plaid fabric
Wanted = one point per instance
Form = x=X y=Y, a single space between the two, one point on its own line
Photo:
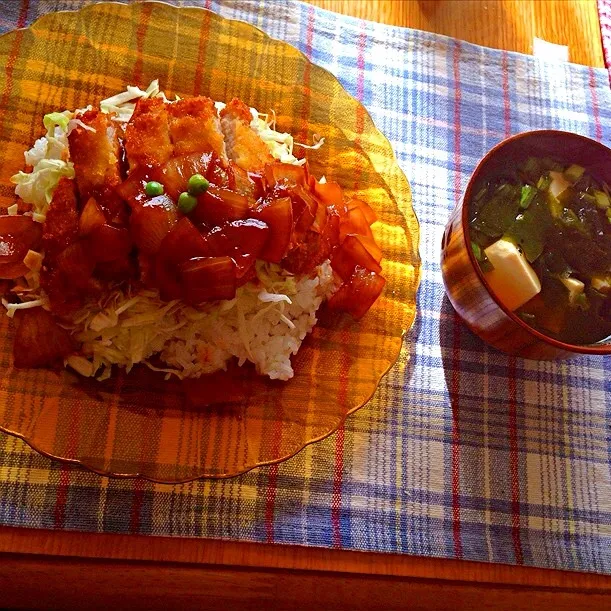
x=469 y=453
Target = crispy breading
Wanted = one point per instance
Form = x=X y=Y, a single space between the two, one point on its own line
x=244 y=145
x=95 y=154
x=238 y=110
x=195 y=127
x=60 y=228
x=147 y=135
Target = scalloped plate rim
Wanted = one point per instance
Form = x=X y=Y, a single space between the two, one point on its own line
x=416 y=264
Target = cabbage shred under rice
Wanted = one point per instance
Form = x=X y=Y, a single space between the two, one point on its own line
x=265 y=323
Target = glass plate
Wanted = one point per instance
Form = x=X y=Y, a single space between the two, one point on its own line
x=138 y=425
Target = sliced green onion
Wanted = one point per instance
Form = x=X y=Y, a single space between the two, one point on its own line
x=602 y=200
x=153 y=188
x=544 y=182
x=186 y=202
x=532 y=169
x=574 y=172
x=551 y=165
x=477 y=251
x=555 y=207
x=587 y=197
x=198 y=184
x=528 y=194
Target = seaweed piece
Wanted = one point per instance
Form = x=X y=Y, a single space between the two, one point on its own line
x=530 y=229
x=531 y=170
x=499 y=211
x=575 y=244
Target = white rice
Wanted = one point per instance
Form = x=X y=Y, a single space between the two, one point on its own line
x=260 y=325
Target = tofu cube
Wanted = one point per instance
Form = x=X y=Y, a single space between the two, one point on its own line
x=574 y=287
x=602 y=283
x=558 y=185
x=513 y=280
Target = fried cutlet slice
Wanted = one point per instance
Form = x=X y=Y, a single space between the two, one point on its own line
x=244 y=145
x=147 y=135
x=196 y=128
x=60 y=229
x=95 y=151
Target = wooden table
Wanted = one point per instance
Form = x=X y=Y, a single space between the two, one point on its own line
x=45 y=569
x=503 y=24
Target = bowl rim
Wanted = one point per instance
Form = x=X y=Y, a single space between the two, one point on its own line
x=467 y=196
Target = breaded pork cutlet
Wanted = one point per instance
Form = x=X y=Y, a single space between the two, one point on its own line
x=196 y=128
x=95 y=150
x=244 y=145
x=147 y=135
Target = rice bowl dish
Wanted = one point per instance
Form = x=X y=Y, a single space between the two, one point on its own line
x=180 y=235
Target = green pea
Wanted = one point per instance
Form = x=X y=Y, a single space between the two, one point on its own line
x=198 y=184
x=186 y=202
x=153 y=188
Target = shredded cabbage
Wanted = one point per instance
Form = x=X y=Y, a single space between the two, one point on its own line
x=267 y=297
x=56 y=118
x=36 y=187
x=49 y=160
x=125 y=329
x=74 y=123
x=11 y=308
x=123 y=104
x=280 y=144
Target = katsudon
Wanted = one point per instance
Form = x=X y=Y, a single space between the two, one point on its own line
x=181 y=235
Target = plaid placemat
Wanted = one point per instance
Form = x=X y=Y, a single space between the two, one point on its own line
x=604 y=17
x=470 y=454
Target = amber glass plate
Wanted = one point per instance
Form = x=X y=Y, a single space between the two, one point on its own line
x=138 y=424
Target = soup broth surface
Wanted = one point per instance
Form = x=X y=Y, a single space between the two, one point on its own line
x=542 y=233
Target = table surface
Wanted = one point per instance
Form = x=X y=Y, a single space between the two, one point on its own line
x=75 y=570
x=503 y=24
